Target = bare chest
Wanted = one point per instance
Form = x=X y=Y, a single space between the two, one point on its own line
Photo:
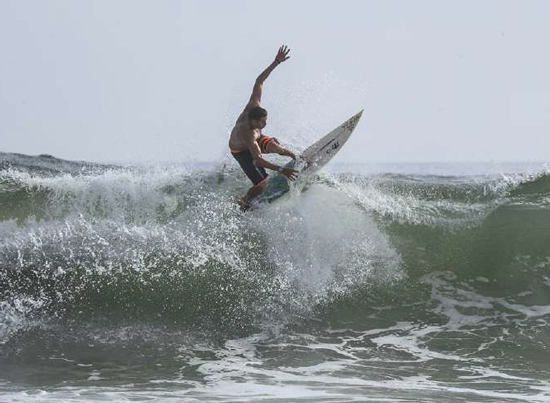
x=236 y=140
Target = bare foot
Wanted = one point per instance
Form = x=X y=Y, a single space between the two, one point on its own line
x=243 y=205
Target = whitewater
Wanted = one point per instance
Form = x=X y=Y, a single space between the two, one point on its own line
x=382 y=283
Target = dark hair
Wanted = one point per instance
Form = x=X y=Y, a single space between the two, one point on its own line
x=256 y=113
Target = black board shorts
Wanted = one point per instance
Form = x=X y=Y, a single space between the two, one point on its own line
x=255 y=173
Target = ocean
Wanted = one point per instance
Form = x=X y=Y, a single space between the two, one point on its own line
x=367 y=282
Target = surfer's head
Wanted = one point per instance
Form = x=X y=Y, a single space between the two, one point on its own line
x=257 y=117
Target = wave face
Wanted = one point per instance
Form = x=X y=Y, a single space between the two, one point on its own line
x=403 y=285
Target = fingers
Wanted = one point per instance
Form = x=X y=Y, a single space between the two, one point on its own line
x=291 y=174
x=283 y=52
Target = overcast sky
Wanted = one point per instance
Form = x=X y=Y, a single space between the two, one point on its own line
x=131 y=80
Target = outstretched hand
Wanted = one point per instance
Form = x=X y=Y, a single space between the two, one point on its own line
x=282 y=54
x=290 y=173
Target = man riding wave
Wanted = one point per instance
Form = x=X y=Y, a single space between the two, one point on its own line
x=247 y=143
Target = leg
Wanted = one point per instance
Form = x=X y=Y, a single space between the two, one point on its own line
x=273 y=147
x=256 y=174
x=253 y=192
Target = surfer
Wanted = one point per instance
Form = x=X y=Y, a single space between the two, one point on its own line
x=247 y=143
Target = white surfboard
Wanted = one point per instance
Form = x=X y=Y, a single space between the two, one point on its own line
x=313 y=158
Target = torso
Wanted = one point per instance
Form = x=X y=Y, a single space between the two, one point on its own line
x=236 y=139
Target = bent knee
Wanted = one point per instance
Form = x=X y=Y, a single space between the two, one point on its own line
x=271 y=147
x=268 y=145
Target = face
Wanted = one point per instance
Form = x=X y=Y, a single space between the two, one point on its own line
x=259 y=124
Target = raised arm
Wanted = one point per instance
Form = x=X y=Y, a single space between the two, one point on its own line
x=256 y=97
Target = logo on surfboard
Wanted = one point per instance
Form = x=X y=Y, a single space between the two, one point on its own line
x=333 y=146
